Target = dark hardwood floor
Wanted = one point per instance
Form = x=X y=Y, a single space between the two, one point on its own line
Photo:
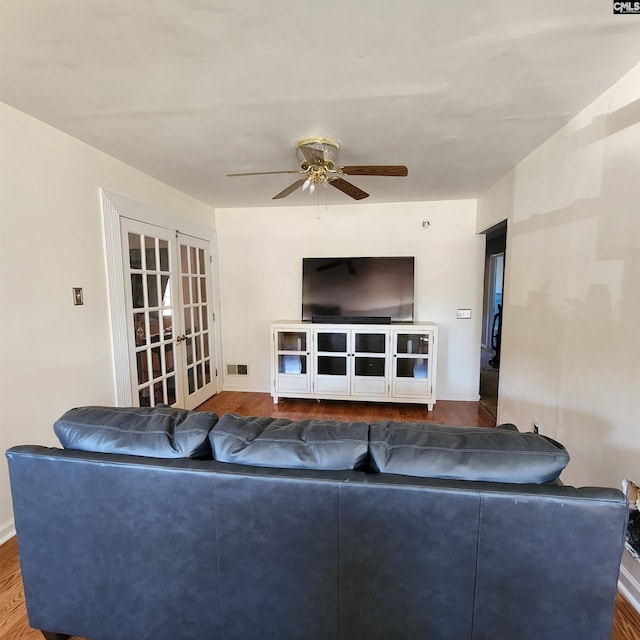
x=261 y=404
x=13 y=617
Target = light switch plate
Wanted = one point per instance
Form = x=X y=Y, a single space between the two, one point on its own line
x=78 y=296
x=464 y=314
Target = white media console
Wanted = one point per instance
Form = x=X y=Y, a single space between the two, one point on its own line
x=384 y=363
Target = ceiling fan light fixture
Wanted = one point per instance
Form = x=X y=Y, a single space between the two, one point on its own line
x=317 y=151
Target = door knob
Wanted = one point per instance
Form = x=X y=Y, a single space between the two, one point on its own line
x=180 y=339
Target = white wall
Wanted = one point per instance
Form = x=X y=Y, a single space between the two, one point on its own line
x=260 y=255
x=54 y=356
x=571 y=339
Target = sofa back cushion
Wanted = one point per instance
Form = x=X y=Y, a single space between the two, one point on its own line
x=292 y=444
x=501 y=454
x=156 y=432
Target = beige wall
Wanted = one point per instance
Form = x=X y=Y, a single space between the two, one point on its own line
x=260 y=255
x=54 y=356
x=571 y=344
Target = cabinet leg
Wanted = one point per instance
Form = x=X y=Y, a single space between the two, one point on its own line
x=430 y=407
x=275 y=399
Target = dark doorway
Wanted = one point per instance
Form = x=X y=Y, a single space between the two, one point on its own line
x=495 y=255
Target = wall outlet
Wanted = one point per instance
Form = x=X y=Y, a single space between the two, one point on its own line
x=536 y=426
x=463 y=314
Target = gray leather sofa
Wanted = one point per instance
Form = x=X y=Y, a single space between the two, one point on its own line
x=115 y=546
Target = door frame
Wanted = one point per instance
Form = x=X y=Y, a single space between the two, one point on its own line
x=115 y=207
x=497 y=241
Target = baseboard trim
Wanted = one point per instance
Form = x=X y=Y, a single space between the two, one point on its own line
x=458 y=397
x=7 y=530
x=630 y=588
x=231 y=387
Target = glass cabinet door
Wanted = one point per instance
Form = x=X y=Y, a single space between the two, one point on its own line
x=332 y=361
x=292 y=352
x=369 y=354
x=412 y=363
x=292 y=361
x=369 y=363
x=332 y=353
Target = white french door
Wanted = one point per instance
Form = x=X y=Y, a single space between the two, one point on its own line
x=169 y=315
x=197 y=312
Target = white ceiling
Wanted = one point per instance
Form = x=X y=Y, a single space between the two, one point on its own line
x=190 y=90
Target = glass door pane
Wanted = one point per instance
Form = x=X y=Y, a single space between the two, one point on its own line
x=370 y=342
x=412 y=343
x=366 y=366
x=292 y=364
x=332 y=342
x=412 y=368
x=332 y=365
x=292 y=341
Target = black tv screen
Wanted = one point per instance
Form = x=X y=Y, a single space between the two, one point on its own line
x=358 y=289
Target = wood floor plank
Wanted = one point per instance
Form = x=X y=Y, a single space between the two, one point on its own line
x=14 y=624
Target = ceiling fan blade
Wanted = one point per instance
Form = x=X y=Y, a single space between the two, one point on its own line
x=290 y=189
x=376 y=170
x=349 y=189
x=261 y=173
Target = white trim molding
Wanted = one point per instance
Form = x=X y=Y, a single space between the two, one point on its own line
x=113 y=248
x=7 y=531
x=629 y=587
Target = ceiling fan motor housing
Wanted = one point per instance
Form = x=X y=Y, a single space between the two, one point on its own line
x=317 y=151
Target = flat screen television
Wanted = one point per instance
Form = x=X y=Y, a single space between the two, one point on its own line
x=367 y=289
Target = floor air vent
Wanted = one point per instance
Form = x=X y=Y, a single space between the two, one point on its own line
x=237 y=369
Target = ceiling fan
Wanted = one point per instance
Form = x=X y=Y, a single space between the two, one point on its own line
x=318 y=158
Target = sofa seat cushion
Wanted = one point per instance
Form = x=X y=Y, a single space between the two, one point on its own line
x=155 y=432
x=291 y=444
x=501 y=454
